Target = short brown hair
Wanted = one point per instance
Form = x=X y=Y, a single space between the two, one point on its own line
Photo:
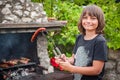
x=96 y=11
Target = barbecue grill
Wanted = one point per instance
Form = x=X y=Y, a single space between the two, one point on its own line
x=33 y=69
x=17 y=71
x=19 y=19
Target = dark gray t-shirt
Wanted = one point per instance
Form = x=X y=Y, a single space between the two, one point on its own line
x=88 y=50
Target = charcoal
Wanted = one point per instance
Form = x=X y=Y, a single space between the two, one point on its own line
x=33 y=77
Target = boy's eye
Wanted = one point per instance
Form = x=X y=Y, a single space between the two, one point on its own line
x=90 y=17
x=84 y=17
x=93 y=18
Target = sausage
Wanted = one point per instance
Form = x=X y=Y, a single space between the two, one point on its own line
x=24 y=60
x=36 y=33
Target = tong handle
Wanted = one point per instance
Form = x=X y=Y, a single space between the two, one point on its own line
x=55 y=53
x=58 y=50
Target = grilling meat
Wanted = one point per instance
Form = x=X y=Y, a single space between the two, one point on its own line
x=24 y=60
x=6 y=64
x=12 y=62
x=36 y=33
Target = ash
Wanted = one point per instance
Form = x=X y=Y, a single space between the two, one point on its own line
x=18 y=74
x=32 y=77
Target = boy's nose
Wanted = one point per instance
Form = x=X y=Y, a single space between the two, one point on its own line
x=88 y=20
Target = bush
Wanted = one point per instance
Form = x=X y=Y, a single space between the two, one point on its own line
x=70 y=10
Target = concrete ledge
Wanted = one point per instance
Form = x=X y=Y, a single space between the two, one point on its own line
x=30 y=27
x=57 y=75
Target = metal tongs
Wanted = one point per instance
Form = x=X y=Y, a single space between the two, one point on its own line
x=55 y=50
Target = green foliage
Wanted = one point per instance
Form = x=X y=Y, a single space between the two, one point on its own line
x=65 y=39
x=70 y=10
x=112 y=30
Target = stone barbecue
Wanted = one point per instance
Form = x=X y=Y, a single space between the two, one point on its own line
x=23 y=16
x=19 y=19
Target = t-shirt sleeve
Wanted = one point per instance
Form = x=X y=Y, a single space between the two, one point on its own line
x=101 y=51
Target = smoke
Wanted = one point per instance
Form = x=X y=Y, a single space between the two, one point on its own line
x=16 y=45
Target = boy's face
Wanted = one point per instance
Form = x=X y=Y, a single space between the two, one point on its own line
x=89 y=23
